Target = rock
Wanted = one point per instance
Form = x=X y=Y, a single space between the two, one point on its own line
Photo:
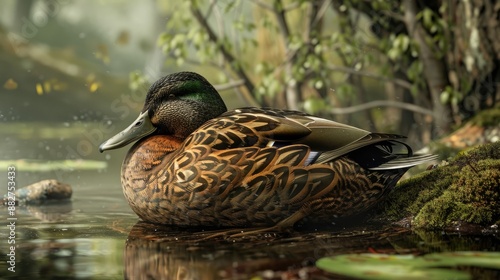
x=43 y=192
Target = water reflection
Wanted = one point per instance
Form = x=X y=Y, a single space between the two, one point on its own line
x=101 y=243
x=49 y=213
x=159 y=252
x=152 y=253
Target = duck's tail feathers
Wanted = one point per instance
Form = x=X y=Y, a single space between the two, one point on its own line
x=405 y=162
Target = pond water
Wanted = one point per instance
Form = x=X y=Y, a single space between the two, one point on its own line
x=97 y=236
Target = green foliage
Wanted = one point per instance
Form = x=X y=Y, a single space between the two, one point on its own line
x=138 y=82
x=400 y=44
x=414 y=73
x=344 y=91
x=450 y=95
x=436 y=26
x=250 y=36
x=270 y=86
x=314 y=105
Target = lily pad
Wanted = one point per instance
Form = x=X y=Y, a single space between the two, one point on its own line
x=431 y=266
x=468 y=258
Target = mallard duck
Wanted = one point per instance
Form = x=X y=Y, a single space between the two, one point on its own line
x=197 y=164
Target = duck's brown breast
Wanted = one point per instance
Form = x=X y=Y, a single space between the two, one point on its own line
x=145 y=161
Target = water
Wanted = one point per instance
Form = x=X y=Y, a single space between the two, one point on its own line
x=97 y=236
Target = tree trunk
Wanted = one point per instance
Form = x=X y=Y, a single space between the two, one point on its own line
x=435 y=72
x=22 y=11
x=292 y=90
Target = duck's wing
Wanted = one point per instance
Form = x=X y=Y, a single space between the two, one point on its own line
x=327 y=139
x=268 y=127
x=335 y=139
x=247 y=128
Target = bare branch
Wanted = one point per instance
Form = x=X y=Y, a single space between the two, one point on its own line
x=210 y=8
x=382 y=103
x=399 y=82
x=230 y=85
x=321 y=13
x=268 y=7
x=263 y=5
x=243 y=94
x=291 y=6
x=280 y=16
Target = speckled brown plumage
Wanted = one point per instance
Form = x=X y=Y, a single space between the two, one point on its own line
x=250 y=166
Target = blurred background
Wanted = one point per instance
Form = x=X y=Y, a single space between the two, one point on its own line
x=417 y=68
x=75 y=72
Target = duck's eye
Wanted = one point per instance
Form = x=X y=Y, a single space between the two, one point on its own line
x=171 y=96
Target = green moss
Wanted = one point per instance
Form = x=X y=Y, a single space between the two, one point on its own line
x=412 y=194
x=434 y=214
x=467 y=189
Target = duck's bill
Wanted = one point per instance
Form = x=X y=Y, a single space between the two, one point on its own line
x=141 y=127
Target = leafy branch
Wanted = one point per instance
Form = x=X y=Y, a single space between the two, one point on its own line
x=228 y=56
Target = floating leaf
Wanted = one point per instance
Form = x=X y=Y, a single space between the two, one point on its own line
x=39 y=89
x=431 y=266
x=57 y=85
x=10 y=84
x=94 y=86
x=47 y=86
x=123 y=38
x=381 y=266
x=468 y=258
x=102 y=53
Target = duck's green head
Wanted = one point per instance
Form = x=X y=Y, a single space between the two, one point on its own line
x=175 y=105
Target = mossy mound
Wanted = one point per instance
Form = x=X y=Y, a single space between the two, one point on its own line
x=464 y=190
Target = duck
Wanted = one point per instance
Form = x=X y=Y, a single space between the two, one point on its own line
x=196 y=164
